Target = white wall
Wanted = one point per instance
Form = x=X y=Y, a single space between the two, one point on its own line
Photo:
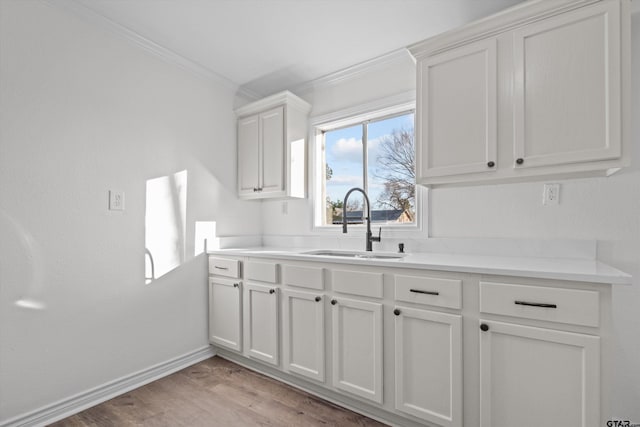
x=606 y=209
x=84 y=111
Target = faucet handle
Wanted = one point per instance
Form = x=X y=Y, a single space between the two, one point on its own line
x=377 y=239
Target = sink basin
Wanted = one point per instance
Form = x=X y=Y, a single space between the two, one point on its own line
x=355 y=254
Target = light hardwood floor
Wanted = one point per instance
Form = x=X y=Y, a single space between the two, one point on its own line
x=216 y=392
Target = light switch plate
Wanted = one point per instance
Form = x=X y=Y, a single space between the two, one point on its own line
x=116 y=200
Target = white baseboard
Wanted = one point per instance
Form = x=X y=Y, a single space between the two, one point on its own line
x=72 y=405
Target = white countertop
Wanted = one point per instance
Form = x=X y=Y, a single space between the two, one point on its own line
x=582 y=270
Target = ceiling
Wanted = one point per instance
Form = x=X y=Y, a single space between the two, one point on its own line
x=264 y=46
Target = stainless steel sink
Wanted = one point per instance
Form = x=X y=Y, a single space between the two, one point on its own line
x=356 y=254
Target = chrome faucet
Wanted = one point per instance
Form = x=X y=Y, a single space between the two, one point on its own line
x=370 y=237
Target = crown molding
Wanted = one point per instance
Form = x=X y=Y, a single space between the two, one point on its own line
x=95 y=18
x=492 y=25
x=354 y=71
x=280 y=98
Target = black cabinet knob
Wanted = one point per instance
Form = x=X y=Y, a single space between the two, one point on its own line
x=334 y=301
x=235 y=285
x=318 y=299
x=520 y=161
x=484 y=327
x=491 y=164
x=272 y=291
x=396 y=312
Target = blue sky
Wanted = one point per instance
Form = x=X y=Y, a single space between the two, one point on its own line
x=343 y=152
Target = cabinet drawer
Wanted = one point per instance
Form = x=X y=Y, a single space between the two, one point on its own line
x=429 y=290
x=261 y=271
x=224 y=267
x=561 y=305
x=304 y=277
x=358 y=283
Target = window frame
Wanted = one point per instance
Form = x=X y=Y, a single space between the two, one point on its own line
x=378 y=110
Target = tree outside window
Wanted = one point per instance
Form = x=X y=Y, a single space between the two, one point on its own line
x=378 y=156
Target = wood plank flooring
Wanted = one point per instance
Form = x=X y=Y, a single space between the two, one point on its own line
x=216 y=392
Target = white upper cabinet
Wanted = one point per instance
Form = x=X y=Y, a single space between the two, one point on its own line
x=536 y=92
x=459 y=83
x=567 y=88
x=272 y=140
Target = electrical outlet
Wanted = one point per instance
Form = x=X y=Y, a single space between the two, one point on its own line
x=116 y=200
x=551 y=195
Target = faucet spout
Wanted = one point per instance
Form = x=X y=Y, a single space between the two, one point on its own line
x=370 y=237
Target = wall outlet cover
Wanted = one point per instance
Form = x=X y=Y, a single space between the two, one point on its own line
x=116 y=200
x=551 y=195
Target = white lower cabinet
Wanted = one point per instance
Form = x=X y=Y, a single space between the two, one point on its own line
x=428 y=365
x=357 y=347
x=225 y=313
x=260 y=309
x=533 y=377
x=536 y=360
x=303 y=333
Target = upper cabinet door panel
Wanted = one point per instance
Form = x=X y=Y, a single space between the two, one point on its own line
x=456 y=126
x=248 y=156
x=567 y=88
x=272 y=122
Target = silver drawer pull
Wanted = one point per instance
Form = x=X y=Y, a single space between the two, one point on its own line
x=220 y=268
x=535 y=304
x=419 y=291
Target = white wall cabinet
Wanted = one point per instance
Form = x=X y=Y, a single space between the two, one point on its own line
x=225 y=313
x=428 y=365
x=532 y=93
x=272 y=136
x=458 y=113
x=567 y=75
x=533 y=377
x=357 y=347
x=261 y=334
x=303 y=333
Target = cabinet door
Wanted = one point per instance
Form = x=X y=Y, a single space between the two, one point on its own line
x=248 y=155
x=272 y=166
x=303 y=340
x=567 y=88
x=456 y=117
x=225 y=313
x=428 y=353
x=357 y=347
x=261 y=322
x=532 y=377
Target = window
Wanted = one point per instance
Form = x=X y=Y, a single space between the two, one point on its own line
x=377 y=155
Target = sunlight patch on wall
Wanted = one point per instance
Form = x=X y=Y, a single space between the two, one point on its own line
x=165 y=224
